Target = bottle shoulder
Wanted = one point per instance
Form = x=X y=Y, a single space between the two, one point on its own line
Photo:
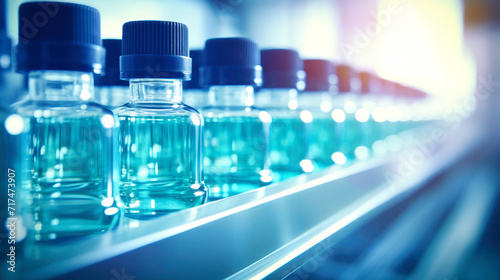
x=30 y=107
x=171 y=112
x=163 y=109
x=234 y=114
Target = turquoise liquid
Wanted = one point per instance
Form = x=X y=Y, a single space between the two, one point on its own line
x=326 y=136
x=69 y=162
x=289 y=144
x=160 y=159
x=236 y=152
x=352 y=136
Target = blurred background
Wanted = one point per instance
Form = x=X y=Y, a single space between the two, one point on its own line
x=443 y=47
x=420 y=43
x=448 y=48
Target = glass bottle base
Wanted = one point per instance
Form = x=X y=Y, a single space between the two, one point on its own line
x=70 y=216
x=143 y=201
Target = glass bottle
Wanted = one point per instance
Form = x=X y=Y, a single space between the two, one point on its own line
x=283 y=76
x=160 y=137
x=236 y=133
x=71 y=141
x=325 y=123
x=356 y=126
x=368 y=103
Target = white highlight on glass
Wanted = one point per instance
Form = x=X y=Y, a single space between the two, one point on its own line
x=293 y=104
x=362 y=153
x=306 y=116
x=111 y=211
x=85 y=95
x=338 y=115
x=107 y=202
x=379 y=114
x=339 y=158
x=265 y=117
x=307 y=165
x=266 y=176
x=14 y=124
x=107 y=121
x=350 y=107
x=195 y=120
x=362 y=115
x=326 y=106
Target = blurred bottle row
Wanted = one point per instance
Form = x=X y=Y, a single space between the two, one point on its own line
x=75 y=157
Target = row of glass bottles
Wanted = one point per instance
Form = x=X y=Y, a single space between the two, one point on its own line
x=85 y=162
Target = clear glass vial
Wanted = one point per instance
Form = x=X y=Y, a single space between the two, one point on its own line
x=325 y=126
x=71 y=142
x=355 y=126
x=236 y=133
x=160 y=137
x=283 y=77
x=110 y=90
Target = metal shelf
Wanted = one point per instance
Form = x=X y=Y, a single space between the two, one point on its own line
x=249 y=236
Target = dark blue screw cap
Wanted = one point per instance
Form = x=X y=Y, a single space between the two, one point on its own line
x=155 y=49
x=344 y=75
x=231 y=61
x=59 y=36
x=197 y=61
x=111 y=75
x=318 y=73
x=281 y=68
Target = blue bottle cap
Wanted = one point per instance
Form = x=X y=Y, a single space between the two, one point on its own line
x=281 y=68
x=231 y=61
x=344 y=75
x=155 y=49
x=59 y=36
x=197 y=61
x=5 y=41
x=366 y=79
x=318 y=74
x=111 y=75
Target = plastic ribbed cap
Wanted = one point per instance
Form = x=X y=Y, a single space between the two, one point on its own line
x=59 y=36
x=366 y=81
x=231 y=61
x=155 y=49
x=5 y=41
x=344 y=75
x=318 y=73
x=111 y=75
x=281 y=68
x=197 y=60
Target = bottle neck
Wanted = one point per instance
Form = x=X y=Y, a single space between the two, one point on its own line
x=156 y=90
x=61 y=85
x=239 y=95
